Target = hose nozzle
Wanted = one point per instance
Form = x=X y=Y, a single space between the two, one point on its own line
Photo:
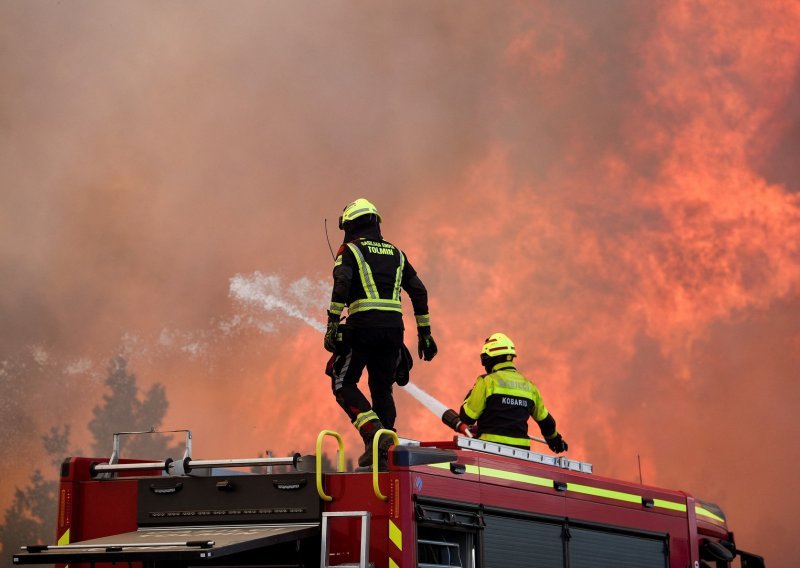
x=451 y=420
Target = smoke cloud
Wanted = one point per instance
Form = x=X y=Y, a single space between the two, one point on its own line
x=614 y=185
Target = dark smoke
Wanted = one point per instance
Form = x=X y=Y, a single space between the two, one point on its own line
x=612 y=184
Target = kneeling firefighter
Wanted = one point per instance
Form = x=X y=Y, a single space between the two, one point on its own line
x=368 y=274
x=501 y=401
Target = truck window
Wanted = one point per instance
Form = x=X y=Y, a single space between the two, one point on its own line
x=440 y=547
x=446 y=536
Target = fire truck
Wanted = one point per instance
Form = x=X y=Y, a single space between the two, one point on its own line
x=460 y=502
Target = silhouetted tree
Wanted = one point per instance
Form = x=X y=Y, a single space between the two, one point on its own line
x=122 y=411
x=31 y=518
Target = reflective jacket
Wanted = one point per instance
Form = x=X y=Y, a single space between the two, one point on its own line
x=501 y=403
x=368 y=274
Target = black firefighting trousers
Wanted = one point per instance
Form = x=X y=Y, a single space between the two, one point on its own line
x=378 y=350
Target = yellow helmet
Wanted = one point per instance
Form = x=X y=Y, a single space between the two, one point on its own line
x=497 y=345
x=356 y=209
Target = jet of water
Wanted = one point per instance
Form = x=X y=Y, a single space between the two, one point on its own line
x=268 y=292
x=426 y=400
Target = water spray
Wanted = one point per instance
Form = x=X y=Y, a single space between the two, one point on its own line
x=448 y=415
x=266 y=292
x=425 y=399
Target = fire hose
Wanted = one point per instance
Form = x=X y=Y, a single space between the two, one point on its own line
x=452 y=420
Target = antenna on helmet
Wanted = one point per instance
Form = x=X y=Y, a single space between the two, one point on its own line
x=333 y=256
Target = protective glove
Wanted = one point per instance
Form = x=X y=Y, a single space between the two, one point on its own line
x=330 y=336
x=403 y=371
x=426 y=346
x=557 y=444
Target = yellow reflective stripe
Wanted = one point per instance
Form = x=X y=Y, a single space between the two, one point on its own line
x=510 y=391
x=446 y=465
x=700 y=510
x=607 y=493
x=423 y=320
x=395 y=535
x=368 y=304
x=398 y=279
x=672 y=505
x=64 y=538
x=380 y=308
x=338 y=261
x=355 y=213
x=475 y=402
x=504 y=439
x=512 y=476
x=364 y=417
x=336 y=308
x=393 y=564
x=364 y=272
x=578 y=488
x=620 y=496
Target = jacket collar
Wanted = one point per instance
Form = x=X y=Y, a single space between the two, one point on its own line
x=372 y=231
x=504 y=365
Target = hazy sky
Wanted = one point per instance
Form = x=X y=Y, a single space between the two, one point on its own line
x=615 y=185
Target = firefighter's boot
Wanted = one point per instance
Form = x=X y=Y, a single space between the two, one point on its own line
x=383 y=452
x=365 y=459
x=367 y=431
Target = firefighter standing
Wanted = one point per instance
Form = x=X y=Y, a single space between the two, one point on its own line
x=368 y=273
x=502 y=400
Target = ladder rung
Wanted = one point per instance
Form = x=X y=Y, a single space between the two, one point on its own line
x=527 y=455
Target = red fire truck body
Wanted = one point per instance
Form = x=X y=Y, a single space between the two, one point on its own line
x=462 y=503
